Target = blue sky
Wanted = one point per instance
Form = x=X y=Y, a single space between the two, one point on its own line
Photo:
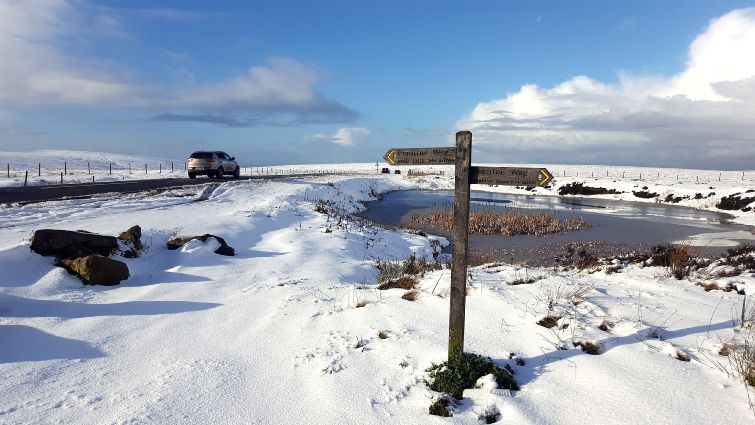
x=293 y=82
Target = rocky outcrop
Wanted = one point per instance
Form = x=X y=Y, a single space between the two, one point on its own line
x=132 y=238
x=178 y=241
x=97 y=270
x=66 y=244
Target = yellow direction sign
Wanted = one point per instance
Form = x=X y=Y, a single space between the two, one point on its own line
x=510 y=176
x=420 y=156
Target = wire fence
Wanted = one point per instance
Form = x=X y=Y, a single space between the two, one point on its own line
x=64 y=172
x=666 y=177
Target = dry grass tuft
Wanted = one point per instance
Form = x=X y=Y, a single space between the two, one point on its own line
x=606 y=326
x=589 y=347
x=549 y=321
x=489 y=222
x=677 y=258
x=411 y=295
x=404 y=282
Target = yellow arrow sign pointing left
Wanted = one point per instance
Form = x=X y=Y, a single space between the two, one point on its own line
x=390 y=156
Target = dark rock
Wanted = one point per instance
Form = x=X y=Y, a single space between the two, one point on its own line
x=580 y=189
x=178 y=241
x=134 y=236
x=734 y=202
x=66 y=244
x=96 y=270
x=644 y=194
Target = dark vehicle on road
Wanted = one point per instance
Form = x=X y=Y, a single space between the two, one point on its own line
x=385 y=171
x=214 y=164
x=397 y=172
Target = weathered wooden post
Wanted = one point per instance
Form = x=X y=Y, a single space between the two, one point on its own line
x=111 y=168
x=26 y=177
x=465 y=174
x=89 y=170
x=39 y=169
x=65 y=167
x=459 y=249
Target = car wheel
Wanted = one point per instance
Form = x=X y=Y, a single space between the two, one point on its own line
x=219 y=174
x=237 y=173
x=192 y=176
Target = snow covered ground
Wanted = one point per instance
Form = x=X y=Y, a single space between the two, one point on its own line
x=702 y=189
x=271 y=335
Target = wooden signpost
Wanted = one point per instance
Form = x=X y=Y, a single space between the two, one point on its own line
x=465 y=174
x=421 y=156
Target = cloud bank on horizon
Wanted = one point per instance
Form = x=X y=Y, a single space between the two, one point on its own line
x=704 y=115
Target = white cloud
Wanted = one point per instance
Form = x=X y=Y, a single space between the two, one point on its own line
x=44 y=72
x=36 y=71
x=703 y=116
x=347 y=136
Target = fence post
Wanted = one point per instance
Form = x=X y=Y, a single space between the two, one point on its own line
x=61 y=177
x=26 y=177
x=8 y=170
x=92 y=179
x=89 y=170
x=171 y=166
x=161 y=168
x=459 y=250
x=39 y=169
x=65 y=167
x=145 y=168
x=111 y=168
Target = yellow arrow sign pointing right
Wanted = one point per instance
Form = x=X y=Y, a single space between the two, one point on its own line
x=546 y=177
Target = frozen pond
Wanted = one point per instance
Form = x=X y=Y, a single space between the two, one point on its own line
x=623 y=225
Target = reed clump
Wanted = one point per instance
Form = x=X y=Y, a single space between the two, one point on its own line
x=506 y=223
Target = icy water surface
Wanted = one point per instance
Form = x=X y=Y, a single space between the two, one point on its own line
x=623 y=226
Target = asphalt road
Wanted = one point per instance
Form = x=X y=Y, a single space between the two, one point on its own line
x=30 y=194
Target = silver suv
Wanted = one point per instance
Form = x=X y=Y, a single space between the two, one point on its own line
x=213 y=164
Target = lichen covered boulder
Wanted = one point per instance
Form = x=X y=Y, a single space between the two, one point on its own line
x=97 y=270
x=67 y=244
x=134 y=236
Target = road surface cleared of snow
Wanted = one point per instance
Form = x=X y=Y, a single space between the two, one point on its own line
x=271 y=335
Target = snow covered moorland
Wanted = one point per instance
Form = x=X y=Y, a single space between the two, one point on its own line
x=294 y=330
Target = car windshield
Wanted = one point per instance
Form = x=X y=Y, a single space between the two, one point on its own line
x=201 y=155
